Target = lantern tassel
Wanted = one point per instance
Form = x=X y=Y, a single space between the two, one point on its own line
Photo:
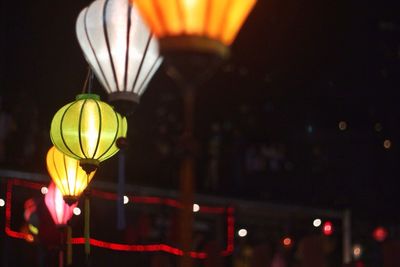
x=69 y=246
x=87 y=226
x=121 y=223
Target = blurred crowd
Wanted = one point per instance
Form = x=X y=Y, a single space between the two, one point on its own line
x=22 y=135
x=230 y=152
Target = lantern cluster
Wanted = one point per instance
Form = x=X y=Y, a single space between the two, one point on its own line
x=84 y=133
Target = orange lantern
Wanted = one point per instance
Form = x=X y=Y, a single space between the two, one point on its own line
x=205 y=27
x=195 y=24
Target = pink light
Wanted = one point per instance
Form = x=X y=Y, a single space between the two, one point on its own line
x=60 y=211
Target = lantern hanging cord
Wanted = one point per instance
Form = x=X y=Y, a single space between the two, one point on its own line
x=91 y=77
x=87 y=86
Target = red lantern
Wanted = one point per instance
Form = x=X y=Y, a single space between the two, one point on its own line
x=60 y=211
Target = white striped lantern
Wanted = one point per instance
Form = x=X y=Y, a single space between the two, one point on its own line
x=120 y=49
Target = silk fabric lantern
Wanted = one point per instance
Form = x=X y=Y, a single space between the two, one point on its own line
x=65 y=172
x=120 y=49
x=87 y=130
x=209 y=25
x=60 y=211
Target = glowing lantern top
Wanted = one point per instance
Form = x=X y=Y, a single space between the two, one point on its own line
x=217 y=20
x=60 y=212
x=65 y=172
x=119 y=47
x=87 y=130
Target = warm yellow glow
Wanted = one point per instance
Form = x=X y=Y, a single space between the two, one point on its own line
x=220 y=20
x=151 y=16
x=238 y=12
x=214 y=23
x=387 y=144
x=66 y=173
x=194 y=16
x=170 y=14
x=90 y=128
x=87 y=129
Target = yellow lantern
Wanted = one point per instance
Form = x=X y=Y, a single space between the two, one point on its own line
x=87 y=130
x=65 y=172
x=200 y=25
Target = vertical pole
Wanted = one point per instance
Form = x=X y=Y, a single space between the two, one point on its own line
x=187 y=178
x=86 y=230
x=121 y=223
x=69 y=246
x=346 y=221
x=61 y=251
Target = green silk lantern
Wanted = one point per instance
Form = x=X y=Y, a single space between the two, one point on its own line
x=87 y=130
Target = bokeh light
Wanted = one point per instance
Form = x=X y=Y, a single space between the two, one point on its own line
x=44 y=190
x=380 y=234
x=387 y=144
x=328 y=228
x=317 y=222
x=242 y=232
x=357 y=251
x=287 y=242
x=343 y=125
x=2 y=202
x=77 y=211
x=196 y=207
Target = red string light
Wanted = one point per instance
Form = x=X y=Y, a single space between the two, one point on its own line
x=128 y=247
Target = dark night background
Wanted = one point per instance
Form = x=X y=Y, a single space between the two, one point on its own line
x=269 y=117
